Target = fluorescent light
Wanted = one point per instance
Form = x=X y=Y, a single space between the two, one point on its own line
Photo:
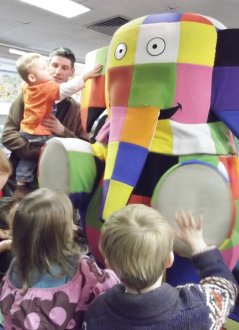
x=16 y=51
x=65 y=8
x=22 y=52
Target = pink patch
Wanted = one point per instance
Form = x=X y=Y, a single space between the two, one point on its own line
x=32 y=321
x=230 y=256
x=117 y=119
x=58 y=315
x=71 y=324
x=193 y=92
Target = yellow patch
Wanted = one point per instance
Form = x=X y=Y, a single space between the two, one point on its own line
x=85 y=98
x=99 y=150
x=111 y=157
x=118 y=195
x=194 y=47
x=163 y=138
x=127 y=35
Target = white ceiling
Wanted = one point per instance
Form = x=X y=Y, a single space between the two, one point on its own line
x=29 y=27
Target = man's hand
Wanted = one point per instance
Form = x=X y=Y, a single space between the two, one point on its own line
x=54 y=125
x=190 y=231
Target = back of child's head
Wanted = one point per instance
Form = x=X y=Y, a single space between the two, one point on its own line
x=24 y=64
x=136 y=242
x=7 y=206
x=43 y=234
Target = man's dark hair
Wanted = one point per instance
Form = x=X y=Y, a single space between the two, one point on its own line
x=64 y=52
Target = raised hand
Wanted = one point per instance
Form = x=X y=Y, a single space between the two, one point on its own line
x=93 y=73
x=190 y=231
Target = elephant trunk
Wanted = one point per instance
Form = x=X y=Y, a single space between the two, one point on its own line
x=131 y=134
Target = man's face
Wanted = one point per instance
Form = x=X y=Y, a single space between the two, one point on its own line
x=60 y=69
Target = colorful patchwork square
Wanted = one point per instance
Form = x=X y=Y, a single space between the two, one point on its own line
x=225 y=89
x=111 y=157
x=119 y=82
x=162 y=18
x=227 y=53
x=153 y=85
x=190 y=17
x=193 y=92
x=117 y=197
x=139 y=126
x=129 y=163
x=123 y=46
x=158 y=43
x=97 y=92
x=194 y=47
x=117 y=119
x=85 y=96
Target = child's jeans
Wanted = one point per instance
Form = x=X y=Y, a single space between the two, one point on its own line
x=26 y=168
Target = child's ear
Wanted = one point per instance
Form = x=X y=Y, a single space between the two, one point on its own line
x=170 y=260
x=31 y=78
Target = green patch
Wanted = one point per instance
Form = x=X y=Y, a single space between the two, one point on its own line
x=82 y=170
x=153 y=85
x=219 y=133
x=231 y=325
x=101 y=57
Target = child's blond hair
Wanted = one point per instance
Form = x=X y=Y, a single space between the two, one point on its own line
x=43 y=235
x=137 y=241
x=24 y=64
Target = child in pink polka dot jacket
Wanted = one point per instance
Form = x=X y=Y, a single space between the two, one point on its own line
x=49 y=284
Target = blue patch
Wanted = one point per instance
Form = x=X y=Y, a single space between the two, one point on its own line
x=129 y=163
x=162 y=18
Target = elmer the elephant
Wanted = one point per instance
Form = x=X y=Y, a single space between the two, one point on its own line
x=171 y=88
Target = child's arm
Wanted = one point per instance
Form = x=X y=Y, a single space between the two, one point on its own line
x=97 y=280
x=78 y=82
x=217 y=282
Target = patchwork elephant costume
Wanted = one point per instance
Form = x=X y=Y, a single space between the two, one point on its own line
x=170 y=85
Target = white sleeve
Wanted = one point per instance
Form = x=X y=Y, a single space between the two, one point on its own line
x=71 y=87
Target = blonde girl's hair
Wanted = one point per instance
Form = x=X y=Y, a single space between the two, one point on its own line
x=43 y=235
x=5 y=167
x=137 y=241
x=24 y=64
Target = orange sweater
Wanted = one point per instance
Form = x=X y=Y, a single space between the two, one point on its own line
x=38 y=103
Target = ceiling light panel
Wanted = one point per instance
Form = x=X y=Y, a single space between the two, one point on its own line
x=66 y=8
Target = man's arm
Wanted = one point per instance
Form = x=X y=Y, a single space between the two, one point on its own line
x=67 y=122
x=11 y=137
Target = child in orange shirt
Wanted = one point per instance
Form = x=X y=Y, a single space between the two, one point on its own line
x=39 y=96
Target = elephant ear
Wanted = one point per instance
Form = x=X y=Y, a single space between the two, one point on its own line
x=93 y=95
x=225 y=81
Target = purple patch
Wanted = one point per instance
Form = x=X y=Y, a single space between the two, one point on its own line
x=225 y=89
x=161 y=18
x=104 y=194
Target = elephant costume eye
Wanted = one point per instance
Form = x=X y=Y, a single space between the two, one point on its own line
x=120 y=51
x=156 y=46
